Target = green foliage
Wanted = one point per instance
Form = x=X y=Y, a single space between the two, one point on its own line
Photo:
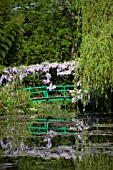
x=1 y=69
x=37 y=79
x=14 y=102
x=11 y=32
x=96 y=59
x=37 y=30
x=33 y=80
x=56 y=109
x=40 y=30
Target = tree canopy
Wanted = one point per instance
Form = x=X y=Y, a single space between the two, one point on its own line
x=35 y=31
x=96 y=50
x=11 y=33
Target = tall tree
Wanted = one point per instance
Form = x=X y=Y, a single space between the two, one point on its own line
x=10 y=33
x=33 y=31
x=96 y=52
x=51 y=31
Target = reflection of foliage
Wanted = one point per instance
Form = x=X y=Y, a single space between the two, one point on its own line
x=88 y=162
x=13 y=102
x=94 y=162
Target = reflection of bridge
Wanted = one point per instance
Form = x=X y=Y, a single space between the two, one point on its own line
x=56 y=93
x=58 y=126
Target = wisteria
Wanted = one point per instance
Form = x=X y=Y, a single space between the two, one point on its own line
x=62 y=69
x=10 y=74
x=51 y=87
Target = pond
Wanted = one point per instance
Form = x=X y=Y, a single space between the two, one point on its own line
x=87 y=150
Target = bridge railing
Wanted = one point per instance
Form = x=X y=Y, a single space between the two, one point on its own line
x=42 y=93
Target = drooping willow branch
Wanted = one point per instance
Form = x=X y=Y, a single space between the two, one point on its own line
x=96 y=56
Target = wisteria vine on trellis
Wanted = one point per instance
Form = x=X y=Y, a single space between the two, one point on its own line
x=67 y=68
x=10 y=73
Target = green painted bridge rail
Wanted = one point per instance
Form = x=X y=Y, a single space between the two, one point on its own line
x=58 y=126
x=43 y=126
x=42 y=93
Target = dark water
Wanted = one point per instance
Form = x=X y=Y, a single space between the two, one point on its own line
x=88 y=150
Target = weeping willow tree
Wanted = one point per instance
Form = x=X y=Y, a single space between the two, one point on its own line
x=96 y=50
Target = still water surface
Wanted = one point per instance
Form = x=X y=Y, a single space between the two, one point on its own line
x=87 y=150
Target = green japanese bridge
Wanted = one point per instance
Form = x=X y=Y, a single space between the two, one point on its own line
x=42 y=93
